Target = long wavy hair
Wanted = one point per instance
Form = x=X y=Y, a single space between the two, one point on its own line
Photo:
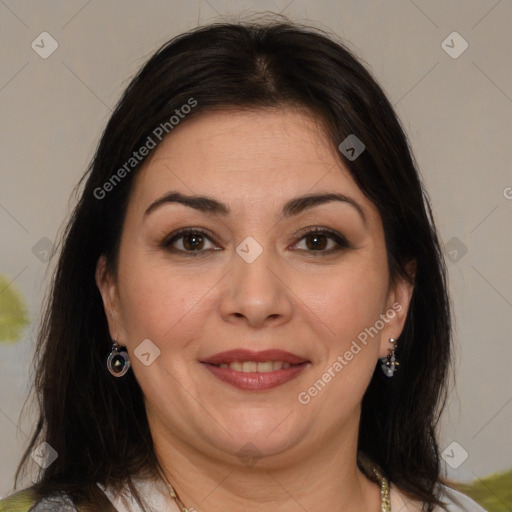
x=97 y=423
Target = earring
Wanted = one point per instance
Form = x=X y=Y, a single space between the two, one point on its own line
x=117 y=361
x=389 y=363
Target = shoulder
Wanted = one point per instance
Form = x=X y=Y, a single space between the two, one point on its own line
x=457 y=501
x=153 y=491
x=454 y=500
x=25 y=501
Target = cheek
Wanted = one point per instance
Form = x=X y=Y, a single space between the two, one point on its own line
x=159 y=302
x=346 y=307
x=346 y=300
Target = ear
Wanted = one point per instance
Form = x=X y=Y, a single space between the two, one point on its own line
x=107 y=286
x=398 y=301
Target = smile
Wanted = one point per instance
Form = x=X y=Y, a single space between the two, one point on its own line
x=255 y=371
x=254 y=366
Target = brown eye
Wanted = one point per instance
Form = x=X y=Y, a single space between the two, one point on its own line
x=322 y=241
x=315 y=241
x=189 y=241
x=193 y=242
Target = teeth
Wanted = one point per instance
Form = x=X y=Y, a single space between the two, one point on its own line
x=249 y=366
x=253 y=366
x=265 y=367
x=237 y=365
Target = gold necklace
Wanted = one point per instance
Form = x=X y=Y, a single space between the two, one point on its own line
x=385 y=499
x=385 y=504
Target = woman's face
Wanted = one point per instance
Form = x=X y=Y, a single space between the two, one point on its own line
x=218 y=253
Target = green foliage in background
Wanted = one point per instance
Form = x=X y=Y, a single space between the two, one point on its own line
x=494 y=493
x=13 y=312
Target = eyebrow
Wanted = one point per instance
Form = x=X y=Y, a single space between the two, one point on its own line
x=299 y=204
x=292 y=207
x=202 y=203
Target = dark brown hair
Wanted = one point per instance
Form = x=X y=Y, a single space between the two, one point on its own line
x=97 y=423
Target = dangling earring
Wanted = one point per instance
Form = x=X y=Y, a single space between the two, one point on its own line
x=389 y=363
x=117 y=361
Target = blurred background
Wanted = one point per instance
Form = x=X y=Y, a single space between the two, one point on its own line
x=446 y=67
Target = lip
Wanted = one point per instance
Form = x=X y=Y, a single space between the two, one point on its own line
x=230 y=356
x=254 y=381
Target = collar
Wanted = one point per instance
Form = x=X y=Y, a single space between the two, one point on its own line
x=153 y=491
x=156 y=494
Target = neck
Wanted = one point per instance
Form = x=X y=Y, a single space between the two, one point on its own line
x=324 y=478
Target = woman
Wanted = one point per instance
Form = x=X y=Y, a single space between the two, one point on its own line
x=250 y=308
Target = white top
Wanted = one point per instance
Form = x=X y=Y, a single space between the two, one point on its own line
x=157 y=496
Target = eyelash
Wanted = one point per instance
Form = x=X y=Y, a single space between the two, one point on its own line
x=338 y=238
x=331 y=234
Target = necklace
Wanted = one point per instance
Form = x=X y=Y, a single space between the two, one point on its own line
x=385 y=500
x=385 y=504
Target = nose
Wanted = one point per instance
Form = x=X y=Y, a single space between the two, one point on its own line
x=256 y=293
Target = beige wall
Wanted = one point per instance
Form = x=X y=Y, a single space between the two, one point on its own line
x=457 y=111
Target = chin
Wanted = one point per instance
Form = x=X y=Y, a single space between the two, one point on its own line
x=262 y=438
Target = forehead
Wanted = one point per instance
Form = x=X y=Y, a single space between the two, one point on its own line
x=245 y=154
